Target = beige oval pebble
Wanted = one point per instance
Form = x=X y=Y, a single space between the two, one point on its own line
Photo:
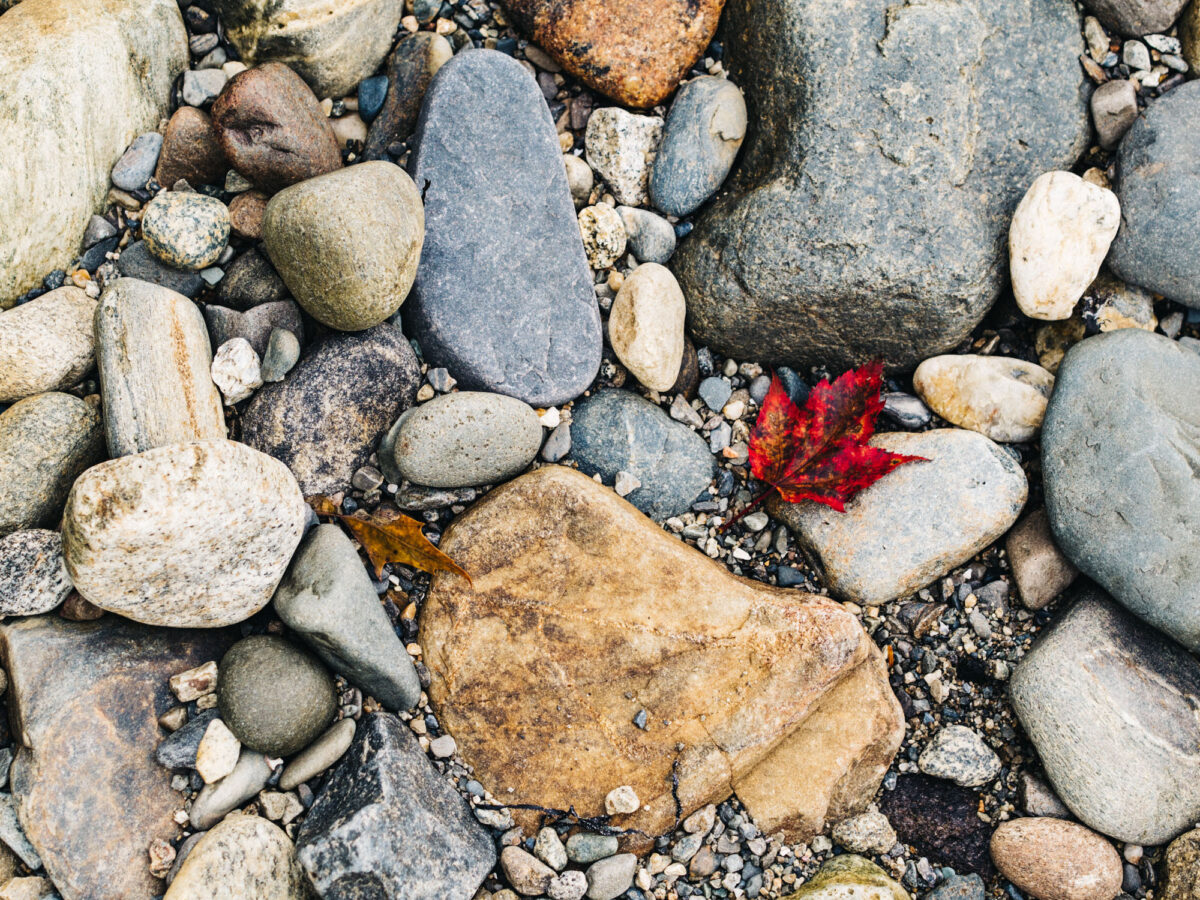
x=1059 y=236
x=1000 y=397
x=1052 y=859
x=645 y=326
x=47 y=344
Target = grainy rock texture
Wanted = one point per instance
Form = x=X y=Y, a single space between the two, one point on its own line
x=1136 y=17
x=634 y=51
x=538 y=338
x=33 y=576
x=1109 y=704
x=920 y=521
x=332 y=46
x=534 y=548
x=850 y=876
x=1183 y=868
x=242 y=857
x=46 y=344
x=325 y=418
x=1119 y=448
x=119 y=56
x=195 y=534
x=907 y=179
x=1055 y=860
x=621 y=148
x=1001 y=398
x=154 y=359
x=184 y=229
x=410 y=68
x=84 y=698
x=939 y=819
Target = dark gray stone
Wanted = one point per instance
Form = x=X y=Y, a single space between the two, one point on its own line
x=1119 y=447
x=868 y=215
x=274 y=697
x=1158 y=184
x=327 y=598
x=1136 y=17
x=178 y=749
x=616 y=431
x=409 y=69
x=33 y=574
x=326 y=417
x=1110 y=704
x=499 y=224
x=250 y=280
x=137 y=163
x=959 y=887
x=255 y=325
x=388 y=824
x=136 y=261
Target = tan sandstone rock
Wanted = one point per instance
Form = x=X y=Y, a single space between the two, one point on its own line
x=46 y=344
x=645 y=326
x=242 y=857
x=1000 y=397
x=582 y=615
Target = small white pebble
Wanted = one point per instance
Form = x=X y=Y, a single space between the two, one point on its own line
x=622 y=801
x=443 y=747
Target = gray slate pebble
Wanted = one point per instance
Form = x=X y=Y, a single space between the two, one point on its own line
x=136 y=261
x=558 y=444
x=255 y=324
x=650 y=237
x=585 y=847
x=282 y=353
x=610 y=878
x=715 y=392
x=617 y=431
x=215 y=800
x=137 y=163
x=959 y=887
x=178 y=749
x=319 y=755
x=33 y=575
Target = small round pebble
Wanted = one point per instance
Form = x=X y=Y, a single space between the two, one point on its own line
x=549 y=849
x=186 y=230
x=959 y=754
x=869 y=832
x=585 y=847
x=603 y=236
x=568 y=886
x=443 y=747
x=646 y=325
x=527 y=874
x=622 y=801
x=579 y=179
x=610 y=878
x=283 y=351
x=371 y=94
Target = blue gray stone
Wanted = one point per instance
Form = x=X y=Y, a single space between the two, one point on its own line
x=715 y=391
x=178 y=749
x=371 y=92
x=136 y=261
x=255 y=324
x=136 y=164
x=499 y=224
x=650 y=237
x=617 y=431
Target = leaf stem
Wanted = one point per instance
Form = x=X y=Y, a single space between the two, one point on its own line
x=746 y=509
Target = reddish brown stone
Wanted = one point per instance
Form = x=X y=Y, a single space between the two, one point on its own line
x=636 y=51
x=272 y=129
x=246 y=214
x=77 y=609
x=190 y=150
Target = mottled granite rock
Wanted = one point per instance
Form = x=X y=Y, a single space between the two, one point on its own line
x=33 y=576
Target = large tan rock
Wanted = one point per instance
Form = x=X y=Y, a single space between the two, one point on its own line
x=79 y=79
x=242 y=857
x=583 y=614
x=46 y=344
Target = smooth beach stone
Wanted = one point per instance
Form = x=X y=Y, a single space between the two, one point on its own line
x=282 y=353
x=1114 y=110
x=1055 y=860
x=46 y=344
x=1158 y=184
x=272 y=128
x=462 y=439
x=1136 y=17
x=917 y=522
x=79 y=80
x=617 y=431
x=190 y=150
x=46 y=441
x=137 y=163
x=1119 y=448
x=906 y=179
x=849 y=876
x=326 y=417
x=645 y=325
x=347 y=243
x=256 y=324
x=250 y=281
x=409 y=70
x=538 y=338
x=154 y=357
x=704 y=131
x=243 y=856
x=246 y=214
x=319 y=755
x=1039 y=568
x=195 y=534
x=1108 y=703
x=650 y=238
x=215 y=800
x=33 y=576
x=1001 y=398
x=137 y=262
x=959 y=754
x=332 y=47
x=328 y=599
x=185 y=230
x=274 y=697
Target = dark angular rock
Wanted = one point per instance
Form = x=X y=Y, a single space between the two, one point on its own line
x=938 y=818
x=325 y=418
x=250 y=280
x=136 y=261
x=410 y=68
x=255 y=324
x=1119 y=447
x=178 y=750
x=1158 y=184
x=868 y=215
x=617 y=431
x=388 y=824
x=499 y=224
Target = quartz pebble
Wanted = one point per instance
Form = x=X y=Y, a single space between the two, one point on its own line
x=960 y=755
x=217 y=753
x=621 y=801
x=580 y=179
x=645 y=325
x=621 y=147
x=1002 y=398
x=549 y=849
x=236 y=370
x=868 y=832
x=1055 y=860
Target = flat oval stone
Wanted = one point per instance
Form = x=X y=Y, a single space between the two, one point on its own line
x=46 y=441
x=645 y=325
x=137 y=164
x=242 y=856
x=1119 y=448
x=1110 y=703
x=1055 y=860
x=319 y=755
x=917 y=522
x=46 y=344
x=463 y=439
x=195 y=534
x=500 y=223
x=704 y=131
x=347 y=243
x=185 y=230
x=1001 y=398
x=325 y=418
x=33 y=576
x=616 y=431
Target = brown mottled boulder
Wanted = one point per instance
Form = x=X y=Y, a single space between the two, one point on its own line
x=584 y=617
x=636 y=51
x=190 y=150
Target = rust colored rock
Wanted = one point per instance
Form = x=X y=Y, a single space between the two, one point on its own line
x=272 y=129
x=84 y=699
x=1055 y=860
x=246 y=213
x=584 y=617
x=636 y=51
x=191 y=150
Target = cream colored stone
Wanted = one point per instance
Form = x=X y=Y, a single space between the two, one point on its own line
x=218 y=752
x=236 y=370
x=1000 y=397
x=240 y=858
x=1051 y=859
x=46 y=344
x=582 y=614
x=645 y=326
x=1059 y=237
x=79 y=80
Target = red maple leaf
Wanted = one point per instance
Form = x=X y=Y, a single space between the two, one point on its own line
x=821 y=452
